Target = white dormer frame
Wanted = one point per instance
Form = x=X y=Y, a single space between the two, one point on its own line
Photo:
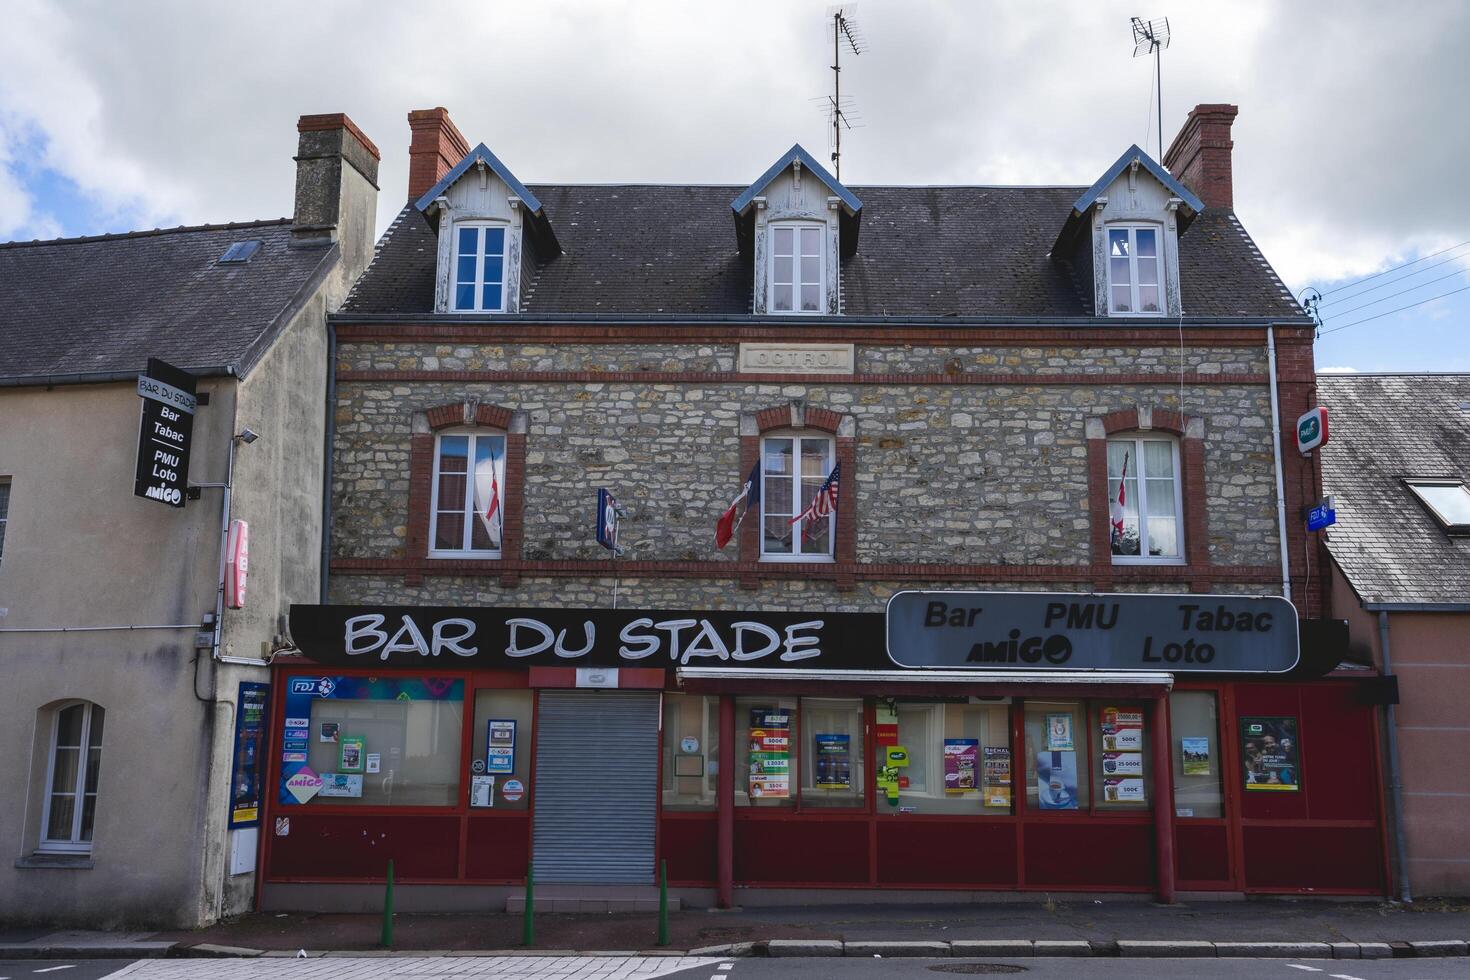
x=1131 y=206
x=479 y=207
x=796 y=201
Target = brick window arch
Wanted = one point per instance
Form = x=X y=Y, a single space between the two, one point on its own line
x=799 y=417
x=466 y=417
x=1141 y=422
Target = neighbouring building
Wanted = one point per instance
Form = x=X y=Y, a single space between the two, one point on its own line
x=135 y=690
x=1004 y=609
x=1398 y=464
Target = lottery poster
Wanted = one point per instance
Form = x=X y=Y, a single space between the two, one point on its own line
x=960 y=757
x=770 y=754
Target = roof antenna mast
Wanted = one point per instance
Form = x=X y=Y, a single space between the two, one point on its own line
x=844 y=28
x=1152 y=37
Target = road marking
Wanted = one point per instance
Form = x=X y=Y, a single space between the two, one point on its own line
x=1310 y=969
x=53 y=969
x=727 y=966
x=1343 y=976
x=719 y=976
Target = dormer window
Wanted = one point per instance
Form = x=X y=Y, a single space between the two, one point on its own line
x=479 y=267
x=1134 y=282
x=796 y=267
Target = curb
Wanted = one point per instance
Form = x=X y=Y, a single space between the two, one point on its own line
x=130 y=951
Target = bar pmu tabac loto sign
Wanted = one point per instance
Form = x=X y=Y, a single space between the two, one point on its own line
x=164 y=433
x=1071 y=631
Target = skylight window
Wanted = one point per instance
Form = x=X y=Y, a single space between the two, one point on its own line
x=1447 y=500
x=240 y=252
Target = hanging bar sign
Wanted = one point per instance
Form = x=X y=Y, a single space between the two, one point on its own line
x=165 y=431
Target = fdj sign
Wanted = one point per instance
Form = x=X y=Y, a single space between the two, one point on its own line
x=164 y=433
x=1066 y=631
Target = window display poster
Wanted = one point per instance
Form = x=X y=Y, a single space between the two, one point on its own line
x=770 y=754
x=1124 y=791
x=1056 y=780
x=1122 y=764
x=960 y=758
x=350 y=753
x=1059 y=733
x=834 y=761
x=374 y=761
x=997 y=776
x=330 y=731
x=482 y=791
x=1195 y=754
x=341 y=784
x=250 y=720
x=885 y=725
x=895 y=757
x=1271 y=754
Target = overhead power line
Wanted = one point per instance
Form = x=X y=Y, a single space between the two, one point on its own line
x=1396 y=280
x=1405 y=265
x=1384 y=299
x=1385 y=313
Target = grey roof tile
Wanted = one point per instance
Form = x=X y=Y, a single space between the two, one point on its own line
x=105 y=304
x=1383 y=428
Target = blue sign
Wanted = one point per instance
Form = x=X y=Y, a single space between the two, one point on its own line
x=1320 y=517
x=251 y=711
x=607 y=520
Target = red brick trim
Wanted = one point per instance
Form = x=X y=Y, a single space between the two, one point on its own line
x=326 y=122
x=815 y=571
x=420 y=489
x=734 y=377
x=1100 y=530
x=926 y=336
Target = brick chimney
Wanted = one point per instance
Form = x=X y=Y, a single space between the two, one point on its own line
x=336 y=203
x=1200 y=155
x=436 y=147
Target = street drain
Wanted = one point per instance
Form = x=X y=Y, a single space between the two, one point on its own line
x=974 y=968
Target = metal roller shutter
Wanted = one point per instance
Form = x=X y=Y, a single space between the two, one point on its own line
x=596 y=787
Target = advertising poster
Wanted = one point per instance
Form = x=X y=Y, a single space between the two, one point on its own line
x=1059 y=733
x=885 y=726
x=834 y=761
x=895 y=757
x=960 y=758
x=1271 y=754
x=1122 y=764
x=341 y=784
x=1056 y=780
x=997 y=776
x=1195 y=754
x=250 y=721
x=350 y=753
x=330 y=730
x=1124 y=791
x=482 y=791
x=770 y=754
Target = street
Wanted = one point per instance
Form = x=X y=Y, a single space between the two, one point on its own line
x=708 y=968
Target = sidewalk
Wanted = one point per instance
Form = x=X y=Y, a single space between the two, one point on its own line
x=1070 y=927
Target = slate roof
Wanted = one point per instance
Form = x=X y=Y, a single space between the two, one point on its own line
x=86 y=308
x=925 y=251
x=1382 y=428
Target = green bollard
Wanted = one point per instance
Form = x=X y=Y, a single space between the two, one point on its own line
x=386 y=940
x=528 y=924
x=663 y=903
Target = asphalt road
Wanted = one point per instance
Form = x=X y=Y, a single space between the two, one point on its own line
x=851 y=968
x=59 y=969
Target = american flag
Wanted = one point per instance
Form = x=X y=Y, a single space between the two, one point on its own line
x=824 y=503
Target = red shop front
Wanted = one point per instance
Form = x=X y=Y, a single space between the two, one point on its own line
x=602 y=754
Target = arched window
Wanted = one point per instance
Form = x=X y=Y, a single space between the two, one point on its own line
x=467 y=509
x=72 y=769
x=795 y=470
x=1145 y=503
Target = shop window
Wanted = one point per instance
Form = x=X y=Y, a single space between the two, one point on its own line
x=72 y=770
x=1056 y=742
x=765 y=743
x=500 y=750
x=799 y=490
x=467 y=509
x=376 y=741
x=1144 y=500
x=1122 y=778
x=959 y=759
x=832 y=752
x=1194 y=723
x=691 y=751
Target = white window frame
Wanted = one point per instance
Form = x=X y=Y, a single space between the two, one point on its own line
x=1133 y=230
x=1141 y=481
x=797 y=555
x=4 y=515
x=796 y=256
x=479 y=227
x=467 y=504
x=1416 y=484
x=932 y=743
x=74 y=844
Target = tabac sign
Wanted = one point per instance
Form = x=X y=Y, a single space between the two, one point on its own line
x=1070 y=631
x=165 y=430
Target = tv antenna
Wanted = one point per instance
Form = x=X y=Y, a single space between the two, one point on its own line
x=1152 y=37
x=844 y=28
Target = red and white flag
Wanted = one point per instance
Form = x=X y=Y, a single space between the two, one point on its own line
x=1115 y=507
x=487 y=498
x=823 y=504
x=730 y=520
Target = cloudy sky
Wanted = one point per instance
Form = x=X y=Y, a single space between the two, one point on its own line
x=1350 y=147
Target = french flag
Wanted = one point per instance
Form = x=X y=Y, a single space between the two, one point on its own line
x=729 y=521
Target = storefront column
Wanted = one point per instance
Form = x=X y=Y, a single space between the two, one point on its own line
x=725 y=787
x=1163 y=765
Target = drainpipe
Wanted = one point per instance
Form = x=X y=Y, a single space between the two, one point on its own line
x=329 y=432
x=1276 y=451
x=1395 y=782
